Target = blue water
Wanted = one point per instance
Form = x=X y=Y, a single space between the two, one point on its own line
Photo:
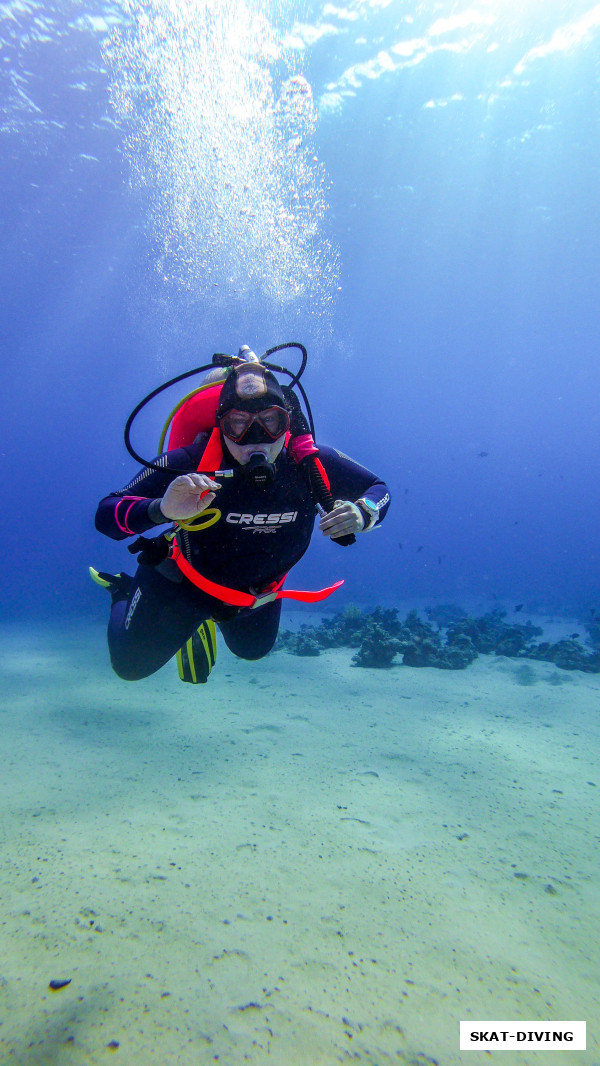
x=447 y=191
x=411 y=190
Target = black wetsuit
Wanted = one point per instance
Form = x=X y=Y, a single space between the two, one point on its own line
x=261 y=533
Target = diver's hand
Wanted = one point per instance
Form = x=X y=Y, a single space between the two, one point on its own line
x=345 y=518
x=184 y=497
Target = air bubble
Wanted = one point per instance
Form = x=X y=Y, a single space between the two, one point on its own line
x=226 y=151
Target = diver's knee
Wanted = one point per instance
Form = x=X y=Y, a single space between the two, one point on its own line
x=252 y=655
x=130 y=671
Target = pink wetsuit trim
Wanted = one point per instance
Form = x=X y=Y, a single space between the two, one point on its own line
x=125 y=528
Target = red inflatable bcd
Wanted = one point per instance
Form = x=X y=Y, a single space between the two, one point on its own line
x=195 y=415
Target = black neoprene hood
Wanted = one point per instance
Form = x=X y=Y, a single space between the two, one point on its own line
x=233 y=394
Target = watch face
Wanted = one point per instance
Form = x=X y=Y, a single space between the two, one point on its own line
x=370 y=510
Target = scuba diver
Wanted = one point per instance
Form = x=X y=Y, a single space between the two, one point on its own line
x=239 y=485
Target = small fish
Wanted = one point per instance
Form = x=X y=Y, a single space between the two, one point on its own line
x=483 y=455
x=574 y=636
x=400 y=545
x=519 y=607
x=420 y=549
x=439 y=560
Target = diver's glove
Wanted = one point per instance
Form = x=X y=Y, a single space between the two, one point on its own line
x=188 y=496
x=344 y=520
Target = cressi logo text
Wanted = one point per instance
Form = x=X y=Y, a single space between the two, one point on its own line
x=251 y=521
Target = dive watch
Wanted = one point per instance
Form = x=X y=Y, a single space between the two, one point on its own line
x=370 y=511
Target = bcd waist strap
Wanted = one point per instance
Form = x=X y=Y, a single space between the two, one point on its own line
x=246 y=599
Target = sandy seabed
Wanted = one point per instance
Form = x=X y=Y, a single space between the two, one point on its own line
x=300 y=863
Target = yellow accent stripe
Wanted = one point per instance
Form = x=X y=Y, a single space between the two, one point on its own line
x=180 y=665
x=204 y=638
x=212 y=629
x=190 y=653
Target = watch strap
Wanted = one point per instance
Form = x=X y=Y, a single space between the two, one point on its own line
x=370 y=515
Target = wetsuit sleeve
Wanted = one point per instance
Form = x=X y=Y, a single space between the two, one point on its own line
x=124 y=513
x=351 y=481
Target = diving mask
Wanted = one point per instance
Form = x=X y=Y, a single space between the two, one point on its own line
x=255 y=427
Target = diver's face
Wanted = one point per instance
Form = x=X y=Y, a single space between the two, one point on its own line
x=242 y=453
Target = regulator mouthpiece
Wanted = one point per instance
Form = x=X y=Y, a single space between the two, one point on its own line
x=258 y=470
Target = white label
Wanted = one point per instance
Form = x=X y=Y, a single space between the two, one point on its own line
x=515 y=1036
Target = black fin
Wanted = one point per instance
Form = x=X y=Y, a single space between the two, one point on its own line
x=198 y=655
